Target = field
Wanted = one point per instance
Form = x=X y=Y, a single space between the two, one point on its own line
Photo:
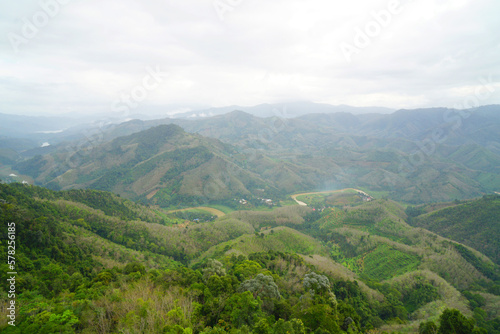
x=342 y=197
x=385 y=262
x=201 y=209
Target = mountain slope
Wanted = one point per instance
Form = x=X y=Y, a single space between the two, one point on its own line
x=162 y=164
x=474 y=223
x=372 y=243
x=417 y=156
x=166 y=166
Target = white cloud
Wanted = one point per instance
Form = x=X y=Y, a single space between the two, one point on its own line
x=430 y=53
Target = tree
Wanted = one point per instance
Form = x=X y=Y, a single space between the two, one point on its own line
x=261 y=286
x=219 y=285
x=454 y=322
x=262 y=327
x=242 y=309
x=319 y=316
x=47 y=322
x=213 y=267
x=247 y=269
x=319 y=287
x=133 y=267
x=316 y=283
x=428 y=327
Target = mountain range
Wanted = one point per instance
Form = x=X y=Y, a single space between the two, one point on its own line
x=329 y=222
x=417 y=156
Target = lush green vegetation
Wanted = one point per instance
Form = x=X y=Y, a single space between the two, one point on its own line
x=385 y=262
x=196 y=215
x=92 y=262
x=473 y=223
x=162 y=166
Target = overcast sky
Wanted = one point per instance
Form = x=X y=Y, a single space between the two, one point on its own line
x=59 y=56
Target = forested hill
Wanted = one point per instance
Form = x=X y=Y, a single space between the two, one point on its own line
x=475 y=223
x=415 y=156
x=163 y=165
x=89 y=261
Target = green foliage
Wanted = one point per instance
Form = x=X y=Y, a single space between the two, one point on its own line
x=486 y=269
x=247 y=269
x=48 y=323
x=319 y=316
x=134 y=267
x=262 y=286
x=428 y=327
x=242 y=309
x=86 y=267
x=316 y=283
x=294 y=326
x=474 y=223
x=419 y=295
x=452 y=321
x=213 y=267
x=475 y=299
x=386 y=262
x=413 y=211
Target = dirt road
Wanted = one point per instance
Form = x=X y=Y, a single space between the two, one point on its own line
x=325 y=192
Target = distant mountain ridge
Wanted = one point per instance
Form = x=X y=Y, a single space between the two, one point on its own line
x=437 y=155
x=162 y=165
x=285 y=110
x=416 y=156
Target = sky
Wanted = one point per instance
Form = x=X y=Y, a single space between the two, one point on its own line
x=124 y=56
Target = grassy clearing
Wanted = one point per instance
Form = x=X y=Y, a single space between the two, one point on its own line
x=348 y=196
x=288 y=202
x=312 y=199
x=162 y=214
x=202 y=209
x=222 y=208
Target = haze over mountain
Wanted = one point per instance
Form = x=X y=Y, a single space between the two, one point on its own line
x=163 y=165
x=412 y=155
x=285 y=110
